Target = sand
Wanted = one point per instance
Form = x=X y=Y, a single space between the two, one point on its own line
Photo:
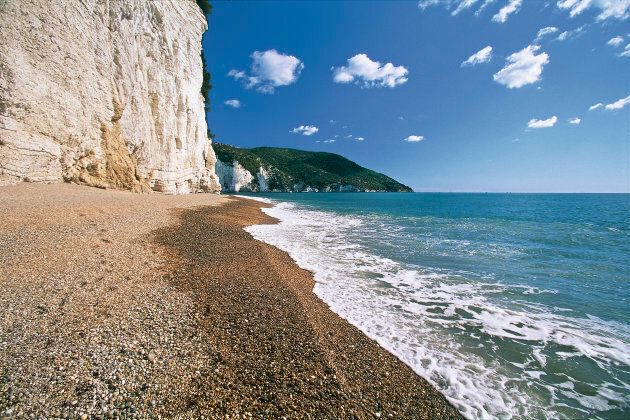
x=114 y=304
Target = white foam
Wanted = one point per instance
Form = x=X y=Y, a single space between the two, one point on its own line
x=251 y=197
x=447 y=328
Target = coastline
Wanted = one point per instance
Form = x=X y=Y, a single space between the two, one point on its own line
x=177 y=312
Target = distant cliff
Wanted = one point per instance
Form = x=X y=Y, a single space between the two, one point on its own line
x=265 y=169
x=104 y=93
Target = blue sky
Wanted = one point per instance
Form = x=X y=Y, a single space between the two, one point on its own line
x=302 y=74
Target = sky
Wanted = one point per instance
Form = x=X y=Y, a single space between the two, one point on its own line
x=442 y=95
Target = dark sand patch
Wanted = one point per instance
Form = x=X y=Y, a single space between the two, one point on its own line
x=282 y=351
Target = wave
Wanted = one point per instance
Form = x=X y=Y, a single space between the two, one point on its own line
x=493 y=353
x=255 y=198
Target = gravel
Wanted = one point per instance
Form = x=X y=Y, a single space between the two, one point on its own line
x=121 y=305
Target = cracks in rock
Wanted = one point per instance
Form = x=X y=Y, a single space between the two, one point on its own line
x=26 y=149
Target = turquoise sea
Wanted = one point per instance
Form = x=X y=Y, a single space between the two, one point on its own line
x=513 y=305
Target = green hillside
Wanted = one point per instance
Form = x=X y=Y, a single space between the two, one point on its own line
x=318 y=170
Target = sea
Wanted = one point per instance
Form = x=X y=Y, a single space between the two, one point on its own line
x=512 y=305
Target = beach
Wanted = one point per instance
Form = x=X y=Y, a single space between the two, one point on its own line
x=114 y=304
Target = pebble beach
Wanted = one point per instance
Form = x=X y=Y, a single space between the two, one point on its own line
x=122 y=305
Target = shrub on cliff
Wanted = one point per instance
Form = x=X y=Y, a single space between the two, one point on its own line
x=205 y=6
x=206 y=85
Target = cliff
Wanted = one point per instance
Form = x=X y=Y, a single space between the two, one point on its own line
x=265 y=169
x=104 y=93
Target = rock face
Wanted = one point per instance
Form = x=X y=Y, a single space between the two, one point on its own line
x=104 y=93
x=234 y=178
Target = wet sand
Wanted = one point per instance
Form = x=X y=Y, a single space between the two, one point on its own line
x=115 y=304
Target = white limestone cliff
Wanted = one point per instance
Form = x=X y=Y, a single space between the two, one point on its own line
x=234 y=178
x=104 y=93
x=263 y=179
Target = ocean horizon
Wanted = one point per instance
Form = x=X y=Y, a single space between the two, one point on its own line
x=510 y=304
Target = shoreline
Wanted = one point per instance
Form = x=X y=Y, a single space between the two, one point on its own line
x=219 y=324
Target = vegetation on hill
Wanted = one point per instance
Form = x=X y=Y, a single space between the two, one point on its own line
x=318 y=170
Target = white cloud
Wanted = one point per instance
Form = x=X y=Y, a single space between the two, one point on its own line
x=237 y=74
x=463 y=5
x=522 y=68
x=617 y=9
x=413 y=139
x=618 y=104
x=234 y=103
x=423 y=4
x=612 y=106
x=275 y=68
x=575 y=120
x=332 y=121
x=269 y=70
x=502 y=15
x=549 y=122
x=575 y=6
x=330 y=141
x=362 y=70
x=615 y=42
x=571 y=34
x=625 y=52
x=564 y=35
x=349 y=136
x=457 y=6
x=307 y=130
x=485 y=4
x=484 y=55
x=359 y=138
x=548 y=30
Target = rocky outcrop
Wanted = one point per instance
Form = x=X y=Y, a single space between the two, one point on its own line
x=234 y=178
x=104 y=93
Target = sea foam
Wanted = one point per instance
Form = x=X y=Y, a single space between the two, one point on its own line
x=492 y=358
